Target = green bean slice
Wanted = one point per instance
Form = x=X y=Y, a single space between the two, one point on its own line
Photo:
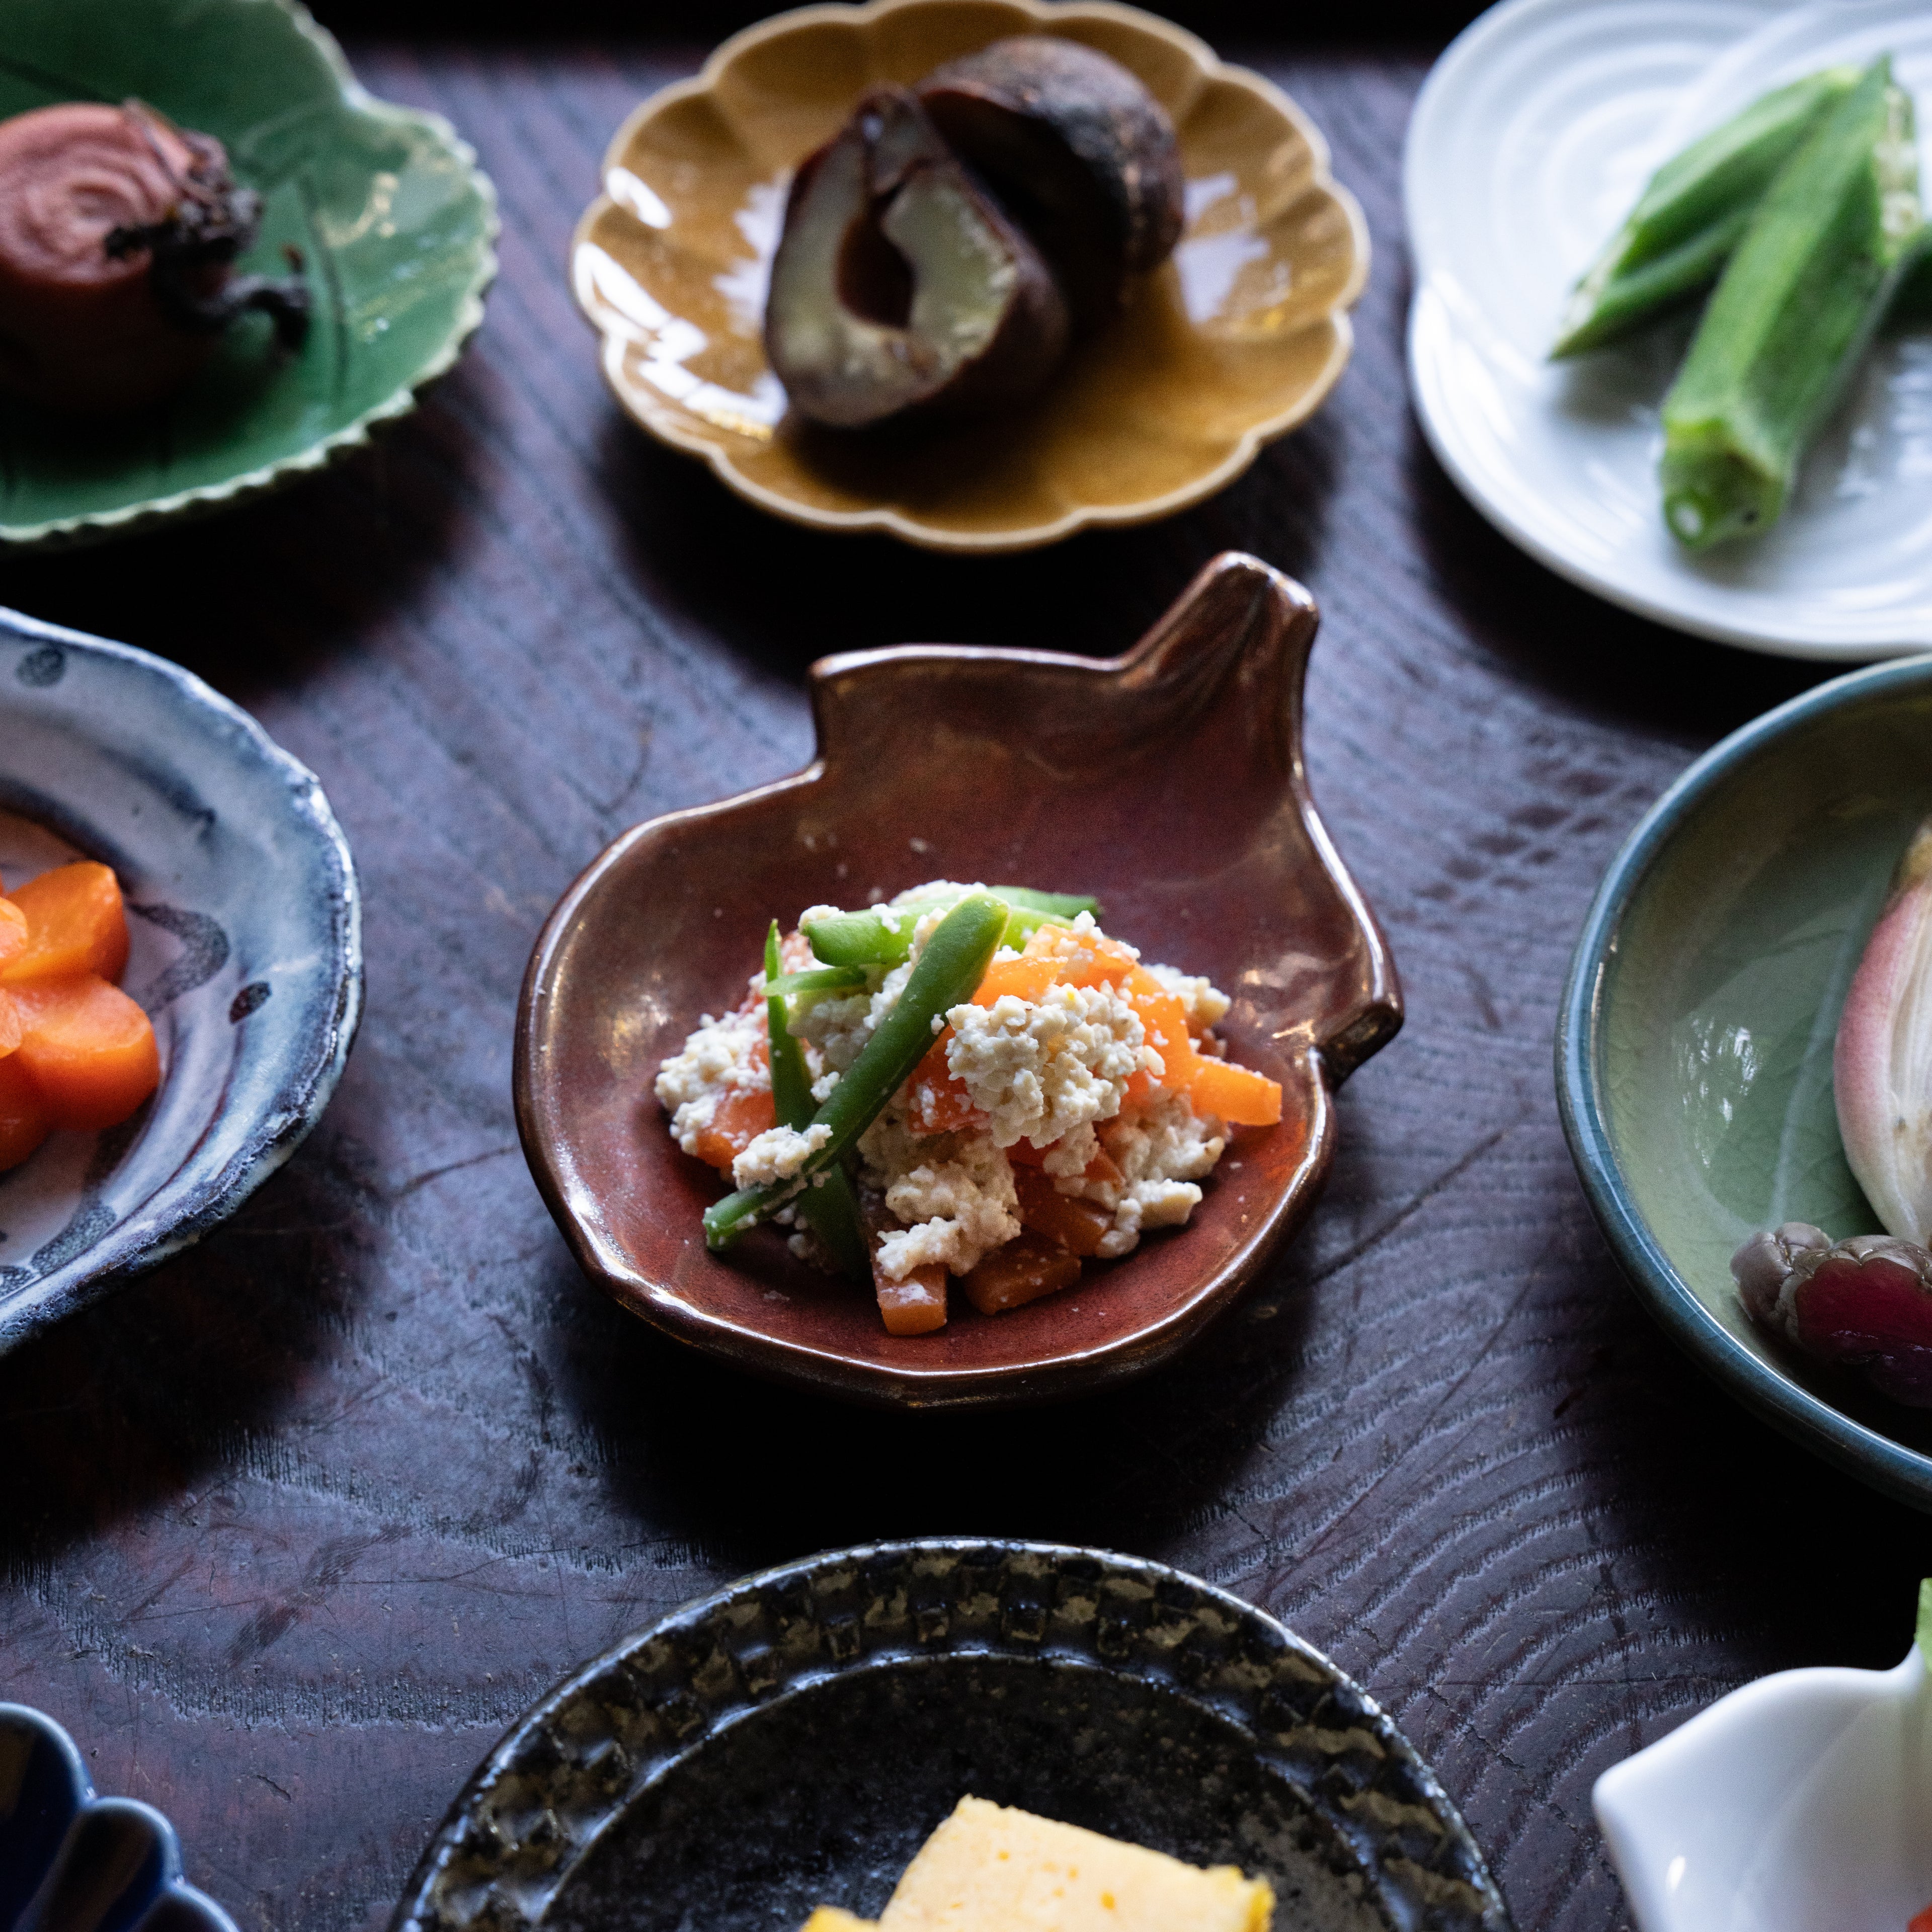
x=831 y=1210
x=948 y=971
x=883 y=936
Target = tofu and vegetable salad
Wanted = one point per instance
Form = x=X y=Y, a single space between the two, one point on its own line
x=970 y=1081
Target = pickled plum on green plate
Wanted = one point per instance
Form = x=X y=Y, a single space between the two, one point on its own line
x=384 y=205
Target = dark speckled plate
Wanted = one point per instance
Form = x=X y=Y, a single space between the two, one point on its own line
x=246 y=951
x=790 y=1742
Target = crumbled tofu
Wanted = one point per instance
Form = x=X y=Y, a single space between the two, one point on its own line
x=1047 y=1072
x=1161 y=1151
x=777 y=1154
x=952 y=1192
x=1204 y=1003
x=1073 y=942
x=723 y=1056
x=1038 y=1072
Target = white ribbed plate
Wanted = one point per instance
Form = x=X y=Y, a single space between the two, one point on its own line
x=1531 y=139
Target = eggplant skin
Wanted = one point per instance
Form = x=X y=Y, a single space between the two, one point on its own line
x=1078 y=151
x=900 y=290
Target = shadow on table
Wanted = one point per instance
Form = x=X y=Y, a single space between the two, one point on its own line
x=756 y=1474
x=256 y=598
x=781 y=595
x=1548 y=633
x=139 y=1401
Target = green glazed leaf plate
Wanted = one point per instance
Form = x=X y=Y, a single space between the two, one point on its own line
x=386 y=204
x=1693 y=1059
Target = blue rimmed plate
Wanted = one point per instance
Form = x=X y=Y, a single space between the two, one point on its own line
x=72 y=1862
x=1694 y=1055
x=246 y=952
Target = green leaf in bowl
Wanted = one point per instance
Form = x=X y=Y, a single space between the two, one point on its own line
x=392 y=216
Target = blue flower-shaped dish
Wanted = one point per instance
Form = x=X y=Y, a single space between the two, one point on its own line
x=72 y=1862
x=246 y=952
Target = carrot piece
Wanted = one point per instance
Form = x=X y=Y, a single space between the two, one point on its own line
x=1923 y=1923
x=89 y=1048
x=916 y=1305
x=738 y=1120
x=1027 y=978
x=938 y=1101
x=1025 y=1268
x=13 y=930
x=1090 y=960
x=1075 y=1225
x=1236 y=1094
x=75 y=924
x=1165 y=1019
x=11 y=1027
x=24 y=1120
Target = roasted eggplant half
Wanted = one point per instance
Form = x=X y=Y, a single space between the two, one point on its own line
x=900 y=287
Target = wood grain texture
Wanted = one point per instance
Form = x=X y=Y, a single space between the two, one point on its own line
x=289 y=1532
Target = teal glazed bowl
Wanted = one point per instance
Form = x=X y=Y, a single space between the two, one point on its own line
x=392 y=217
x=1693 y=1058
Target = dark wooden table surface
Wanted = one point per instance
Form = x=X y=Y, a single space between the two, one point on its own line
x=291 y=1530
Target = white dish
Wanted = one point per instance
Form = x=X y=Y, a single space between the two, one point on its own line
x=1802 y=1803
x=1531 y=139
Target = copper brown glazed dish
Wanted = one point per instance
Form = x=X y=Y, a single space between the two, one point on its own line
x=1168 y=780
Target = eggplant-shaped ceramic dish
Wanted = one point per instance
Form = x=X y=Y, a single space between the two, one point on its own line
x=1169 y=781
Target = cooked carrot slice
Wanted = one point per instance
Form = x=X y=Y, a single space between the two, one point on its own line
x=1026 y=978
x=1237 y=1094
x=740 y=1118
x=938 y=1101
x=24 y=1120
x=89 y=1048
x=1075 y=1225
x=10 y=1026
x=916 y=1305
x=1088 y=961
x=75 y=924
x=1025 y=1268
x=13 y=930
x=1165 y=1019
x=1923 y=1923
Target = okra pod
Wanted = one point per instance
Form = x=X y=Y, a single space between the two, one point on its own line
x=948 y=971
x=1813 y=276
x=1693 y=213
x=831 y=1210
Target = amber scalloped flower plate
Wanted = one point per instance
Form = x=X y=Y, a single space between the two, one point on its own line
x=386 y=203
x=1233 y=342
x=1169 y=781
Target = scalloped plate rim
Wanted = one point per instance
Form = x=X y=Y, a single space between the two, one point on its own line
x=204 y=499
x=667 y=427
x=173 y=1880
